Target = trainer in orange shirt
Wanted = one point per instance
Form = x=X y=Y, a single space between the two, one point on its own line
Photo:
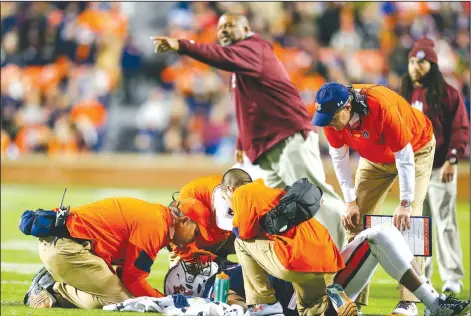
x=392 y=138
x=125 y=232
x=288 y=257
x=211 y=213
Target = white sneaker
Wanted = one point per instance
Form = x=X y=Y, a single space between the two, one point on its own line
x=405 y=308
x=452 y=286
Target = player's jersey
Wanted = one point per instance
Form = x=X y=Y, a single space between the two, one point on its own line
x=197 y=279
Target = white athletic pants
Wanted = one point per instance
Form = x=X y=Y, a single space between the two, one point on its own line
x=440 y=204
x=381 y=244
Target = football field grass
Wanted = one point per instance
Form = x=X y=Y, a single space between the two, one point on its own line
x=20 y=260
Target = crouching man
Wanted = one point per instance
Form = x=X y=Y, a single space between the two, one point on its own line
x=305 y=255
x=124 y=232
x=214 y=221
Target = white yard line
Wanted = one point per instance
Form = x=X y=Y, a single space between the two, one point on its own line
x=384 y=281
x=138 y=194
x=15 y=282
x=22 y=245
x=21 y=268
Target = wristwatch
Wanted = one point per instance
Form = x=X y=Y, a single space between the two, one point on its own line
x=405 y=203
x=453 y=160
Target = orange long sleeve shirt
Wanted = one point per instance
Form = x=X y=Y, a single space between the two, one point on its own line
x=202 y=189
x=127 y=232
x=296 y=247
x=390 y=125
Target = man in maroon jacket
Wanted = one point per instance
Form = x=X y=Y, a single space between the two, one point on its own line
x=425 y=88
x=274 y=126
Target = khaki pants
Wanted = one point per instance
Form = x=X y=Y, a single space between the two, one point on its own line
x=83 y=279
x=294 y=158
x=440 y=204
x=373 y=182
x=258 y=260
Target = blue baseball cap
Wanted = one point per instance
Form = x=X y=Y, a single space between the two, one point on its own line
x=330 y=97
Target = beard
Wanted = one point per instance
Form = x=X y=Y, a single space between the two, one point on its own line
x=227 y=41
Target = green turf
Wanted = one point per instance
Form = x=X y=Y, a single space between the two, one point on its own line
x=18 y=252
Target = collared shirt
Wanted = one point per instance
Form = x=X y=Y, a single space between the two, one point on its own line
x=268 y=107
x=294 y=248
x=450 y=125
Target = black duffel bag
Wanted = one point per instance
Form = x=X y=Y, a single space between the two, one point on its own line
x=300 y=203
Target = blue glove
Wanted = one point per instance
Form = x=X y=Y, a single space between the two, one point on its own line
x=26 y=222
x=180 y=301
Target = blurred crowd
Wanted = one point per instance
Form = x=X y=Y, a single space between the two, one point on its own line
x=65 y=62
x=61 y=62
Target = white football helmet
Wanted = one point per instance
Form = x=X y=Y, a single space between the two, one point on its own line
x=190 y=278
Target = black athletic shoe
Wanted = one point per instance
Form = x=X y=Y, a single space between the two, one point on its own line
x=449 y=306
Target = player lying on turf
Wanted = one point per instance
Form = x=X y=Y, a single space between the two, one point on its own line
x=196 y=278
x=80 y=254
x=289 y=256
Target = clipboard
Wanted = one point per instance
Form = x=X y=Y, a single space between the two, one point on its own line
x=418 y=237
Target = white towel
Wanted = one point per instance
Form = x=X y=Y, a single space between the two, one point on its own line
x=198 y=307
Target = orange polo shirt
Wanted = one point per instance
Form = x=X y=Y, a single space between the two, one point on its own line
x=126 y=232
x=391 y=124
x=202 y=189
x=296 y=247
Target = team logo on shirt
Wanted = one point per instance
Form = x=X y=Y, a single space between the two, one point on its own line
x=233 y=81
x=365 y=134
x=418 y=105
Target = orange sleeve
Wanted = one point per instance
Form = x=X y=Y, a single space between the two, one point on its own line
x=394 y=130
x=135 y=271
x=333 y=138
x=190 y=190
x=200 y=189
x=248 y=206
x=146 y=239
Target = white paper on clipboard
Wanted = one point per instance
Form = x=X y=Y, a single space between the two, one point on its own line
x=418 y=237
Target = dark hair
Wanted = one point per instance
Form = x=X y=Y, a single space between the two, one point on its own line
x=358 y=101
x=434 y=83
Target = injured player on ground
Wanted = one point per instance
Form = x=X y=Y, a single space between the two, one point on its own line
x=381 y=245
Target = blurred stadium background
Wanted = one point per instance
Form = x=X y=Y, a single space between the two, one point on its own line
x=82 y=77
x=85 y=102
